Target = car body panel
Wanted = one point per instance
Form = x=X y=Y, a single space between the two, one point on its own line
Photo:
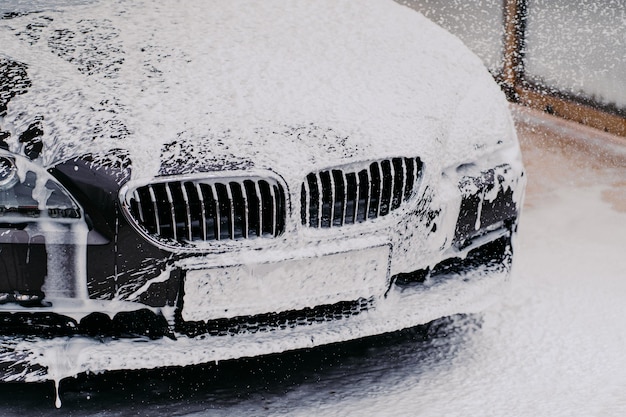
x=260 y=111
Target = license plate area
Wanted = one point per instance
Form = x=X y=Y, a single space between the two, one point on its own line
x=292 y=284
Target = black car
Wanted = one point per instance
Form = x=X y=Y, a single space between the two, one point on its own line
x=213 y=180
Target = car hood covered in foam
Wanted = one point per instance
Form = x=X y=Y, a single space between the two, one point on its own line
x=288 y=86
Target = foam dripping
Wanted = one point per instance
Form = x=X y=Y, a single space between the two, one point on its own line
x=57 y=401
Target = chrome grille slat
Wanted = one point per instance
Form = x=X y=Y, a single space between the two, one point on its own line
x=342 y=220
x=368 y=187
x=403 y=183
x=231 y=206
x=417 y=172
x=320 y=202
x=358 y=198
x=157 y=221
x=170 y=202
x=380 y=188
x=410 y=178
x=274 y=209
x=138 y=200
x=342 y=196
x=187 y=212
x=202 y=211
x=333 y=194
x=197 y=210
x=392 y=188
x=217 y=222
x=260 y=209
x=246 y=212
x=306 y=202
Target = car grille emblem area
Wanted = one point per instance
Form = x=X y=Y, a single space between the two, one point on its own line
x=341 y=196
x=199 y=210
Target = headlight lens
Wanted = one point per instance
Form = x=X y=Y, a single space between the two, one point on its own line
x=8 y=173
x=28 y=190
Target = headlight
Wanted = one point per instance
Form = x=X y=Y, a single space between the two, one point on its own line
x=8 y=173
x=487 y=204
x=29 y=191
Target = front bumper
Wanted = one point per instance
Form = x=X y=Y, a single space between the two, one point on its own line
x=448 y=252
x=457 y=285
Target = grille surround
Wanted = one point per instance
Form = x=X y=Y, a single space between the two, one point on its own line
x=350 y=195
x=189 y=212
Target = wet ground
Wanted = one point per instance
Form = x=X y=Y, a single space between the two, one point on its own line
x=554 y=346
x=256 y=386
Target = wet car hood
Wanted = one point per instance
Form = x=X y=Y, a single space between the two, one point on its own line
x=236 y=84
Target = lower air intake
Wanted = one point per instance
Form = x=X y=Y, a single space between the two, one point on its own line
x=277 y=321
